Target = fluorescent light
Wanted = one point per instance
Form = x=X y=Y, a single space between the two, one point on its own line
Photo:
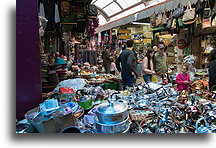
x=140 y=23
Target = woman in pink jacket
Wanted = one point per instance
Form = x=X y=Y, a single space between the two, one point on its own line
x=183 y=79
x=148 y=66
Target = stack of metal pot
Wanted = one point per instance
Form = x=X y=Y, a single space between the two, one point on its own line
x=112 y=117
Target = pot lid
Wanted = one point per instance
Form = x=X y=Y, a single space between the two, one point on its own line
x=111 y=108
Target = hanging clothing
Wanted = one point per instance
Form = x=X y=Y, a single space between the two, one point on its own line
x=49 y=10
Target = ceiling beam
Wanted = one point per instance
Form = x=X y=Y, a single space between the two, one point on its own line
x=126 y=9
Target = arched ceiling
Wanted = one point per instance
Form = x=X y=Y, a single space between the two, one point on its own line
x=113 y=9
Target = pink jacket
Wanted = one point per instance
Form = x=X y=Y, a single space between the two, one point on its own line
x=180 y=81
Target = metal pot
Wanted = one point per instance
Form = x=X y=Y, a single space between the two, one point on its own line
x=121 y=127
x=112 y=112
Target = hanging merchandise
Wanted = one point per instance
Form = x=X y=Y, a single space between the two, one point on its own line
x=213 y=12
x=198 y=20
x=180 y=23
x=213 y=22
x=68 y=14
x=153 y=20
x=159 y=20
x=207 y=10
x=199 y=8
x=169 y=21
x=164 y=19
x=173 y=24
x=179 y=11
x=189 y=15
x=206 y=23
x=92 y=10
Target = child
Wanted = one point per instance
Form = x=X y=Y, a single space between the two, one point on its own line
x=113 y=69
x=183 y=79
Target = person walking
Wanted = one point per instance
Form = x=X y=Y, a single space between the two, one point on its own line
x=126 y=64
x=161 y=64
x=212 y=70
x=106 y=59
x=148 y=66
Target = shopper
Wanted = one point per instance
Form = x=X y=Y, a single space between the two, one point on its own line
x=161 y=65
x=212 y=70
x=148 y=66
x=155 y=48
x=113 y=69
x=128 y=65
x=183 y=79
x=106 y=59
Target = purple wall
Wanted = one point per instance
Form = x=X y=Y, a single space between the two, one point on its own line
x=28 y=81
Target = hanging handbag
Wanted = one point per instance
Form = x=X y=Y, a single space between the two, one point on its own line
x=153 y=18
x=169 y=21
x=179 y=11
x=213 y=12
x=164 y=19
x=198 y=20
x=206 y=23
x=189 y=14
x=199 y=8
x=159 y=20
x=207 y=10
x=213 y=22
x=180 y=23
x=173 y=24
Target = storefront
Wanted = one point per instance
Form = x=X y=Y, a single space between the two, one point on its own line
x=78 y=93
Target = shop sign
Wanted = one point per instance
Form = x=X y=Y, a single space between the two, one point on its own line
x=181 y=44
x=124 y=37
x=124 y=31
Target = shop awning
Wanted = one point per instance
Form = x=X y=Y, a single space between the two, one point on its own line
x=113 y=13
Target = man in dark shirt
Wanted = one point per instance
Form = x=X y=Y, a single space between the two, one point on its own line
x=128 y=65
x=212 y=70
x=106 y=59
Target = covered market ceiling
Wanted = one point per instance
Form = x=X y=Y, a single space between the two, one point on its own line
x=113 y=13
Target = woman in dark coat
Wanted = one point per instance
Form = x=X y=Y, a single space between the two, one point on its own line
x=212 y=70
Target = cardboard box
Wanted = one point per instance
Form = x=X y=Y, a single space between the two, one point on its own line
x=54 y=125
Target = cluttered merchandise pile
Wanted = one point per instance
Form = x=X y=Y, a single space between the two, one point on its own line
x=78 y=107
